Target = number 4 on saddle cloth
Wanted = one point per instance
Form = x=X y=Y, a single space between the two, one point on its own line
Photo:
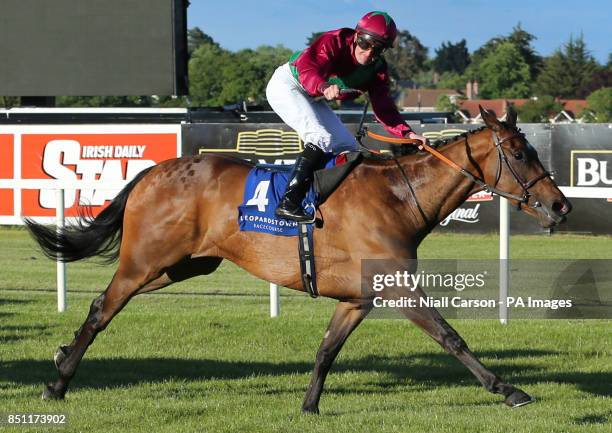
x=266 y=184
x=264 y=189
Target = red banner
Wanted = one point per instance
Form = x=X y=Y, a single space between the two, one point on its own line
x=91 y=162
x=6 y=172
x=89 y=157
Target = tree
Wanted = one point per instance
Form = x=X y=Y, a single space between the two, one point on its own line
x=600 y=104
x=602 y=77
x=247 y=75
x=424 y=78
x=205 y=76
x=520 y=39
x=408 y=58
x=240 y=78
x=195 y=38
x=504 y=73
x=219 y=77
x=568 y=72
x=9 y=101
x=452 y=57
x=171 y=101
x=103 y=101
x=539 y=110
x=553 y=79
x=266 y=60
x=445 y=104
x=451 y=80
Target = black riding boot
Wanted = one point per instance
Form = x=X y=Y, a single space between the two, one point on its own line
x=300 y=180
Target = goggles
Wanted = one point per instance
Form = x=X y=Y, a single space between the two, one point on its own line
x=366 y=42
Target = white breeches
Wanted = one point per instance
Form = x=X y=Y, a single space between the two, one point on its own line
x=313 y=120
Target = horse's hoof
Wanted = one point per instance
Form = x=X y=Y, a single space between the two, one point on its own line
x=310 y=410
x=60 y=355
x=51 y=394
x=518 y=398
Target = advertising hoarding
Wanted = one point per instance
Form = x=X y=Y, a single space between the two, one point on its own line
x=93 y=162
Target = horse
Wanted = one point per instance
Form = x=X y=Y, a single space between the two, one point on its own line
x=178 y=219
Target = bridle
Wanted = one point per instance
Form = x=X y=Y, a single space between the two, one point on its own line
x=525 y=185
x=502 y=160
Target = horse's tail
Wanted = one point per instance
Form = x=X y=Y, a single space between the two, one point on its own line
x=99 y=236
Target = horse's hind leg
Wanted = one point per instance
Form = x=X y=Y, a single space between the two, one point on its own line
x=346 y=318
x=103 y=308
x=432 y=322
x=122 y=288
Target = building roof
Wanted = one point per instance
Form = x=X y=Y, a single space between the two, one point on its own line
x=424 y=97
x=498 y=106
x=469 y=108
x=574 y=106
x=517 y=102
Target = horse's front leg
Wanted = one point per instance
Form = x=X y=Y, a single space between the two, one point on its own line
x=346 y=318
x=430 y=320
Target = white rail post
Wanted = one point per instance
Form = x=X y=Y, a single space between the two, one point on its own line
x=504 y=257
x=274 y=300
x=61 y=266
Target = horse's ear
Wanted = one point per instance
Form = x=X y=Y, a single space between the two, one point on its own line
x=489 y=119
x=511 y=116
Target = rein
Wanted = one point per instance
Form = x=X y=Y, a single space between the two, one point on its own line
x=502 y=159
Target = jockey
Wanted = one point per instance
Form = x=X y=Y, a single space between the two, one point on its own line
x=338 y=59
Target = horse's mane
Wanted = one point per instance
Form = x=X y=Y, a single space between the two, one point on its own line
x=441 y=143
x=401 y=150
x=404 y=150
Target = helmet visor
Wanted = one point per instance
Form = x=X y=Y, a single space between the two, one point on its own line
x=366 y=42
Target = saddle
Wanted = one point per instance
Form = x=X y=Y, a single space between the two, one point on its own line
x=328 y=179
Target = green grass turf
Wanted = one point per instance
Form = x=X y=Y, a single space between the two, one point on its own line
x=209 y=358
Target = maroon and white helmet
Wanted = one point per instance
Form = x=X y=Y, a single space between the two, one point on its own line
x=379 y=26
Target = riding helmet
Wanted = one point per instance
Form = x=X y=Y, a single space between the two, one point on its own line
x=380 y=26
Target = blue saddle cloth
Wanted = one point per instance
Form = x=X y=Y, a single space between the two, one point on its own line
x=264 y=189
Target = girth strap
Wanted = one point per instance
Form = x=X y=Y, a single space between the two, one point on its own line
x=307 y=261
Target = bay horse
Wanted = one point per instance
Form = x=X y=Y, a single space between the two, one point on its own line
x=178 y=219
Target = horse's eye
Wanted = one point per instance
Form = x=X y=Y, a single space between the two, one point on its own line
x=518 y=155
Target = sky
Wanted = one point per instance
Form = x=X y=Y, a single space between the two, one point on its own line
x=237 y=24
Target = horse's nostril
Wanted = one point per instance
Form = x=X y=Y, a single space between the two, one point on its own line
x=561 y=208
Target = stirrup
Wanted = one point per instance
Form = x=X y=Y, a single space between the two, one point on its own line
x=298 y=215
x=314 y=213
x=303 y=217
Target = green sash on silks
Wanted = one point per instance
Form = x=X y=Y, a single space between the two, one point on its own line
x=356 y=79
